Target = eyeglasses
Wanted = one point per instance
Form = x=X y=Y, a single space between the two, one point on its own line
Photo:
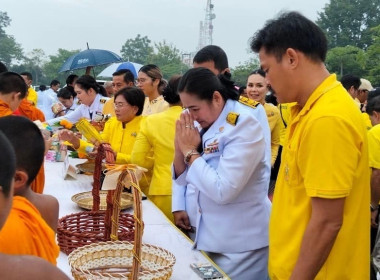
x=120 y=104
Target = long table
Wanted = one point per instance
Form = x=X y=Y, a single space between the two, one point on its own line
x=158 y=229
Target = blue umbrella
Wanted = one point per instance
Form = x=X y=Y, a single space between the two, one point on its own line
x=131 y=66
x=89 y=58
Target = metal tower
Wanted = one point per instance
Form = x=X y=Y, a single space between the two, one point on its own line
x=206 y=27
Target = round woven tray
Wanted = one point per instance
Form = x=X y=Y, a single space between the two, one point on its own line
x=113 y=260
x=85 y=200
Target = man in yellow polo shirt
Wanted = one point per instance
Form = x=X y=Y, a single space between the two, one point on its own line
x=319 y=227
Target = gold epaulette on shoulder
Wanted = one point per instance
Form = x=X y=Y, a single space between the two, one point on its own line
x=103 y=100
x=248 y=102
x=232 y=118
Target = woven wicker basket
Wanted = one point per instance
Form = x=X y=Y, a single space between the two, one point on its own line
x=83 y=228
x=123 y=260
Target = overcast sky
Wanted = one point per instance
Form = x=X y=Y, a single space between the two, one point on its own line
x=107 y=24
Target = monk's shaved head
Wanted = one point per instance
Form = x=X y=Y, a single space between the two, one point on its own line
x=7 y=164
x=27 y=142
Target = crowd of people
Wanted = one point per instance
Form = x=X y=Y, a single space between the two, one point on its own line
x=279 y=179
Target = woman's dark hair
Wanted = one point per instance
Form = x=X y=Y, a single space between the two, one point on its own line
x=86 y=82
x=202 y=83
x=153 y=72
x=134 y=96
x=7 y=164
x=65 y=93
x=373 y=101
x=170 y=92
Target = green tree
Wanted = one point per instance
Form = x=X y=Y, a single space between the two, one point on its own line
x=10 y=50
x=348 y=22
x=137 y=50
x=168 y=58
x=346 y=60
x=50 y=69
x=241 y=72
x=373 y=57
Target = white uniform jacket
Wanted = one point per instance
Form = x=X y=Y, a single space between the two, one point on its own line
x=225 y=191
x=83 y=111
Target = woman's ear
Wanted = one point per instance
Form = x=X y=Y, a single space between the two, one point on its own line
x=217 y=97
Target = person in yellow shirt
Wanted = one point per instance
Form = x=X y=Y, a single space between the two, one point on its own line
x=120 y=79
x=319 y=225
x=257 y=89
x=120 y=131
x=373 y=110
x=150 y=81
x=157 y=134
x=32 y=95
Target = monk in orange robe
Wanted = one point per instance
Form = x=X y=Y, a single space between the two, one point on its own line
x=31 y=227
x=12 y=90
x=26 y=109
x=18 y=267
x=26 y=232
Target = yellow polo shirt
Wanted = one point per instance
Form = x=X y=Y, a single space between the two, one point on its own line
x=367 y=121
x=374 y=146
x=326 y=156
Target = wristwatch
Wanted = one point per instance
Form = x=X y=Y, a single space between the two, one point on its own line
x=374 y=208
x=189 y=154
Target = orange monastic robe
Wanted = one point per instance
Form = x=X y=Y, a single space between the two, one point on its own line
x=5 y=110
x=33 y=113
x=26 y=109
x=26 y=233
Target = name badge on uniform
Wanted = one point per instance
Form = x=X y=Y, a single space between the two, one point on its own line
x=212 y=147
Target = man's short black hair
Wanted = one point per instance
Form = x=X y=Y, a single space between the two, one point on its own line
x=27 y=74
x=212 y=53
x=27 y=142
x=12 y=82
x=54 y=83
x=127 y=75
x=71 y=78
x=291 y=30
x=349 y=81
x=7 y=164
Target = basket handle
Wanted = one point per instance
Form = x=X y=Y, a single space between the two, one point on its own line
x=128 y=178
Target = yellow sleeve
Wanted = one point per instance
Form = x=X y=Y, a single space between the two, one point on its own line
x=275 y=140
x=142 y=148
x=83 y=145
x=329 y=143
x=374 y=147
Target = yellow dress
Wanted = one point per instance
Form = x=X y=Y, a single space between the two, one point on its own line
x=157 y=134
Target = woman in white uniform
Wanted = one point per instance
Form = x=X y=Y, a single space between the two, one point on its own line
x=92 y=98
x=225 y=167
